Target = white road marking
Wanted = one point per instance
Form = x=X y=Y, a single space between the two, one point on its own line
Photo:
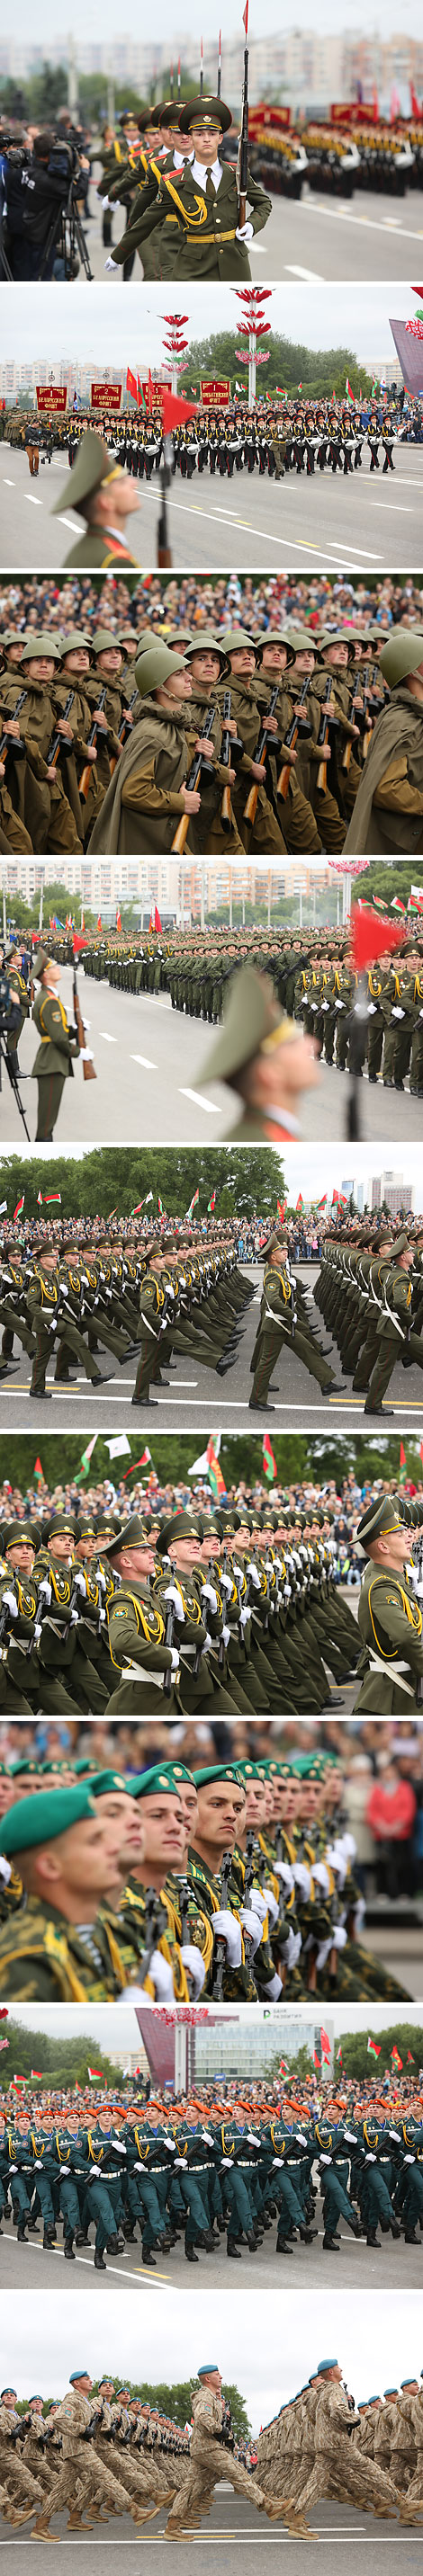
x=400 y=507
x=108 y=1041
x=7 y=478
x=343 y=215
x=312 y=273
x=161 y=2281
x=35 y=499
x=146 y=1061
x=200 y=1102
x=73 y=524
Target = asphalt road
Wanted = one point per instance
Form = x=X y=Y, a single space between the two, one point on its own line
x=314 y=236
x=335 y=523
x=356 y=2266
x=233 y=2527
x=192 y=1393
x=137 y=1099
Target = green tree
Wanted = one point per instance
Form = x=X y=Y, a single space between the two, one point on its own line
x=174 y=2400
x=299 y=1456
x=406 y=2036
x=104 y=1179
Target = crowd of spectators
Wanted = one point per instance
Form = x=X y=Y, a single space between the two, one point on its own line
x=192 y=601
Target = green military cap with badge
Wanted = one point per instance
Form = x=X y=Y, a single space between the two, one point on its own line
x=91 y=470
x=205 y=111
x=134 y=1532
x=179 y=1525
x=253 y=1024
x=381 y=1519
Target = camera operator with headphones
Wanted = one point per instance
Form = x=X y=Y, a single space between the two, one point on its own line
x=39 y=185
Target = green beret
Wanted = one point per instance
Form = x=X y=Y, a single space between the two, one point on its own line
x=43 y=1819
x=218 y=1771
x=148 y=1783
x=101 y=1781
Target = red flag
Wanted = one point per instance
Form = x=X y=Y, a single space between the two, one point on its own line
x=94 y=2071
x=143 y=1461
x=410 y=2059
x=325 y=2043
x=118 y=919
x=245 y=17
x=269 y=1460
x=79 y=942
x=396 y=2059
x=131 y=384
x=157 y=921
x=281 y=1210
x=173 y=411
x=99 y=922
x=299 y=1201
x=18 y=1209
x=36 y=2070
x=369 y=938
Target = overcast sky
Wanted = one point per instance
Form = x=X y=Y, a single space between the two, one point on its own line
x=387 y=18
x=112 y=329
x=268 y=2347
x=111 y=2026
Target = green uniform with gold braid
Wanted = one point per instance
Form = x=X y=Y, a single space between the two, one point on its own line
x=389 y=1619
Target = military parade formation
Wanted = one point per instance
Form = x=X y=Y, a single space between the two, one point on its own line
x=274 y=438
x=128 y=743
x=234 y=1881
x=100 y=2450
x=230 y=2163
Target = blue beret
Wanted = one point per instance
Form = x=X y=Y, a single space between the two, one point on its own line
x=206 y=2366
x=327 y=2365
x=79 y=2374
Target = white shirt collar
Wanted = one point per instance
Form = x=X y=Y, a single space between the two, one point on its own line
x=201 y=175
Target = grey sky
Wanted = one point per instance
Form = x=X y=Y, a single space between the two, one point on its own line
x=387 y=18
x=109 y=328
x=268 y=2345
x=111 y=2026
x=326 y=1167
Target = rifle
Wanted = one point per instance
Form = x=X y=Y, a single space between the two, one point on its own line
x=57 y=744
x=88 y=1068
x=184 y=1906
x=291 y=739
x=168 y=1638
x=357 y=690
x=226 y=807
x=220 y=1948
x=7 y=743
x=155 y=1924
x=124 y=728
x=181 y=835
x=242 y=161
x=323 y=736
x=250 y=809
x=92 y=738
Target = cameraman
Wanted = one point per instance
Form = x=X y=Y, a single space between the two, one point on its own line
x=37 y=188
x=10 y=1018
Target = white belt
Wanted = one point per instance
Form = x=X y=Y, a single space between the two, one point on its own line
x=376 y=1666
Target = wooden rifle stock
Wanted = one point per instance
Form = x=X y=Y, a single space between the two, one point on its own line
x=57 y=744
x=323 y=737
x=181 y=834
x=250 y=809
x=291 y=739
x=92 y=738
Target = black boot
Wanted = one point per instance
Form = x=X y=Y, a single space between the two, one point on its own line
x=99 y=2263
x=69 y=2255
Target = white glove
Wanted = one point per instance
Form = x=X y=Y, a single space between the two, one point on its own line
x=274 y=1989
x=244 y=1617
x=228 y=1927
x=272 y=1908
x=119 y=2150
x=180 y=2165
x=11 y=1604
x=111 y=264
x=291 y=1949
x=208 y=2140
x=302 y=1878
x=38 y=2164
x=138 y=2168
x=227 y=2160
x=339 y=1937
x=208 y=1644
x=371 y=1007
x=277 y=2164
x=252 y=1924
x=323 y=1953
x=94 y=2169
x=339 y=1006
x=226 y=1635
x=209 y=1595
x=44 y=1589
x=320 y=1876
x=191 y=1959
x=350 y=2135
x=13 y=2169
x=325 y=2160
x=408 y=2160
x=255 y=1577
x=172 y=1594
x=397 y=1014
x=63 y=2171
x=86 y=1055
x=258 y=1903
x=73 y=1622
x=370 y=2160
x=282 y=1870
x=244 y=232
x=175 y=1660
x=225 y=1581
x=359 y=1918
x=79 y=1582
x=253 y=2138
x=161 y=1973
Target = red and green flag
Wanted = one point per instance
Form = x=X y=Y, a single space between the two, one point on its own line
x=299 y=1201
x=372 y=2050
x=216 y=1480
x=211 y=1204
x=161 y=1209
x=396 y=2059
x=38 y=1472
x=281 y=1208
x=85 y=1460
x=53 y=1198
x=269 y=1460
x=193 y=1203
x=402 y=1463
x=20 y=1203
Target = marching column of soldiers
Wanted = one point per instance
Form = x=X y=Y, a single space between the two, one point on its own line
x=224 y=439
x=211 y=2168
x=96 y=2452
x=141 y=744
x=235 y=1881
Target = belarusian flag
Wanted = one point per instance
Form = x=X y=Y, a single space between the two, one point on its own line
x=299 y=1201
x=396 y=2059
x=38 y=1470
x=410 y=2059
x=85 y=1460
x=396 y=906
x=402 y=1463
x=112 y=1212
x=325 y=2043
x=136 y=1211
x=281 y=1209
x=269 y=1460
x=161 y=1209
x=339 y=2056
x=372 y=2050
x=95 y=2071
x=137 y=1462
x=216 y=1480
x=211 y=1203
x=282 y=2066
x=193 y=1203
x=20 y=1203
x=40 y=1199
x=415 y=899
x=322 y=1202
x=36 y=2070
x=335 y=1198
x=53 y=1198
x=348 y=389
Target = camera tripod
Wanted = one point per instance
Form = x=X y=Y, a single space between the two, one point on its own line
x=66 y=238
x=7 y=1060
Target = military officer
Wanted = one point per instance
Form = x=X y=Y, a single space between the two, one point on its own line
x=388 y=811
x=58 y=1046
x=105 y=498
x=389 y=1616
x=260 y=1055
x=202 y=204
